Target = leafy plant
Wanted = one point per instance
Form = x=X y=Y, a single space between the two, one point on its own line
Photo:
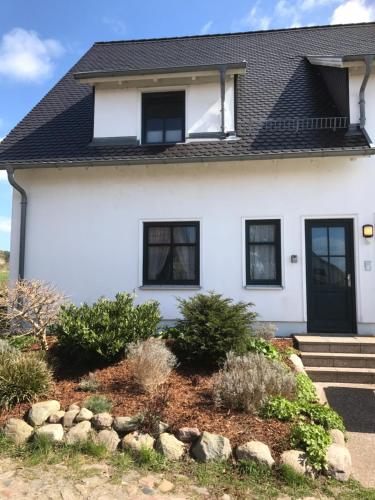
x=89 y=383
x=245 y=382
x=280 y=408
x=23 y=377
x=263 y=347
x=104 y=329
x=98 y=404
x=212 y=326
x=21 y=342
x=314 y=440
x=306 y=391
x=324 y=416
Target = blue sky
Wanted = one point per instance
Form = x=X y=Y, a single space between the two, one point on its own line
x=40 y=40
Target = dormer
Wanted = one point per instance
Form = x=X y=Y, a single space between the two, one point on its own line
x=164 y=106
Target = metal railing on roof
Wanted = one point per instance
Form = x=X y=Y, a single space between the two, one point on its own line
x=297 y=124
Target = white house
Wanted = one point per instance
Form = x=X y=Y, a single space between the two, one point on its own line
x=241 y=163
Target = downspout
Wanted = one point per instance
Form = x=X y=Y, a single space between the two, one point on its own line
x=362 y=103
x=222 y=70
x=21 y=255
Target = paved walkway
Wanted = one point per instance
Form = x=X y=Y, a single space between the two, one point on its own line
x=356 y=404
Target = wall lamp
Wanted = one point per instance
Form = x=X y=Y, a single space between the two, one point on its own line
x=368 y=231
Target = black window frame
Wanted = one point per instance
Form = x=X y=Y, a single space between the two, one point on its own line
x=145 y=96
x=172 y=244
x=277 y=243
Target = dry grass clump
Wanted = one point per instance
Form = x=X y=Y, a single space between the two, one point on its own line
x=89 y=383
x=151 y=362
x=266 y=331
x=245 y=382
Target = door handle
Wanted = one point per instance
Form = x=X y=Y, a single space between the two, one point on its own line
x=349 y=280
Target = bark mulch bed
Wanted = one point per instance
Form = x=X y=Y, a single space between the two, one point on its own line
x=189 y=403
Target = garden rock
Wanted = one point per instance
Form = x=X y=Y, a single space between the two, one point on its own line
x=337 y=437
x=211 y=447
x=74 y=407
x=53 y=431
x=255 y=450
x=297 y=363
x=102 y=421
x=162 y=427
x=69 y=417
x=339 y=462
x=165 y=486
x=39 y=412
x=126 y=424
x=109 y=438
x=188 y=434
x=18 y=430
x=136 y=441
x=55 y=418
x=169 y=446
x=296 y=460
x=84 y=414
x=78 y=433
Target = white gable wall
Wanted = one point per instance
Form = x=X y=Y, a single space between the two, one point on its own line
x=355 y=81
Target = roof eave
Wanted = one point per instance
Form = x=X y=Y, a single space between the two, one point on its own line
x=346 y=61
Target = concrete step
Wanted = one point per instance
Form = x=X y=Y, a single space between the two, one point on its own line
x=348 y=375
x=340 y=344
x=338 y=360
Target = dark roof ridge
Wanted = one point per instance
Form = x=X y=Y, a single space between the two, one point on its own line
x=234 y=33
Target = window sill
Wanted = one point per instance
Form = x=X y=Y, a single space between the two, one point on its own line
x=264 y=287
x=170 y=287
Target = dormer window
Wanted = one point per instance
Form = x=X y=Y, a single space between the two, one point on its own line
x=163 y=117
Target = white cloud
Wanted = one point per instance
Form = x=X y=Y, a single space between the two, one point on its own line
x=353 y=11
x=3 y=174
x=116 y=25
x=313 y=4
x=254 y=19
x=5 y=224
x=26 y=56
x=206 y=28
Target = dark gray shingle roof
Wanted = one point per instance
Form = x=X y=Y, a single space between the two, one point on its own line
x=279 y=83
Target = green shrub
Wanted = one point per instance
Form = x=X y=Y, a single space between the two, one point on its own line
x=98 y=404
x=263 y=347
x=23 y=377
x=280 y=408
x=21 y=342
x=306 y=391
x=245 y=382
x=314 y=440
x=324 y=416
x=104 y=329
x=210 y=327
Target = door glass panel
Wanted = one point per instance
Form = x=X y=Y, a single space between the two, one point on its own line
x=337 y=271
x=262 y=233
x=319 y=240
x=262 y=262
x=320 y=270
x=337 y=241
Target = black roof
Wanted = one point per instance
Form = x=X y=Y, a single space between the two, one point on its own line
x=279 y=83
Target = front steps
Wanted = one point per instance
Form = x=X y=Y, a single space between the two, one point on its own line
x=349 y=359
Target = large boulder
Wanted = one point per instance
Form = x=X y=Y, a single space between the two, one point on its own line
x=169 y=446
x=211 y=447
x=39 y=412
x=337 y=437
x=102 y=421
x=69 y=417
x=56 y=418
x=188 y=434
x=124 y=425
x=79 y=433
x=55 y=432
x=137 y=440
x=18 y=430
x=109 y=438
x=84 y=414
x=255 y=450
x=339 y=462
x=296 y=460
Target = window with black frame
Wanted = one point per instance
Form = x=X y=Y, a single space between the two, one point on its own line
x=263 y=252
x=163 y=117
x=171 y=253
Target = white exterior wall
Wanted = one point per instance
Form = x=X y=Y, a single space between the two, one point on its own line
x=84 y=226
x=355 y=81
x=117 y=112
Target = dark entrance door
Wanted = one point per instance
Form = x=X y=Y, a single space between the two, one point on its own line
x=331 y=306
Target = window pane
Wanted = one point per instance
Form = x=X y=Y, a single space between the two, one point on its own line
x=158 y=263
x=262 y=233
x=337 y=271
x=184 y=234
x=154 y=130
x=173 y=129
x=262 y=262
x=159 y=234
x=337 y=241
x=320 y=240
x=184 y=263
x=320 y=270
